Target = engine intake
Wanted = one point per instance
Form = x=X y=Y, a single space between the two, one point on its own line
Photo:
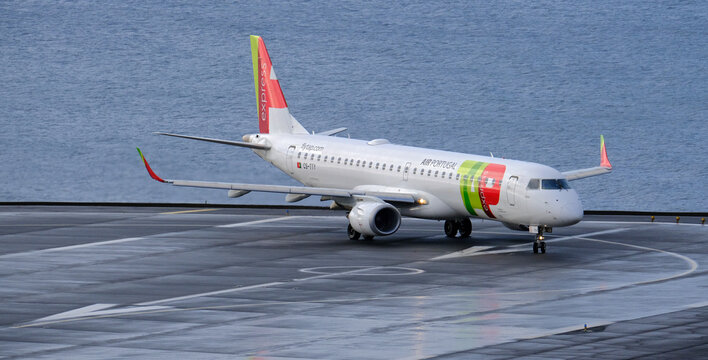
x=374 y=218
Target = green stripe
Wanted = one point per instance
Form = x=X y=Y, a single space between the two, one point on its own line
x=470 y=196
x=254 y=57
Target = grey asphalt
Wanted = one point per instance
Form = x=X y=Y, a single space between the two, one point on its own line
x=146 y=282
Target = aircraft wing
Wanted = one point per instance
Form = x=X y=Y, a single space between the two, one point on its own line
x=604 y=168
x=398 y=197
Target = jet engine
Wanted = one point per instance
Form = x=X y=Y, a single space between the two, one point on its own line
x=374 y=218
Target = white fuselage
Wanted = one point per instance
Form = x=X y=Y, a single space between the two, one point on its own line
x=454 y=185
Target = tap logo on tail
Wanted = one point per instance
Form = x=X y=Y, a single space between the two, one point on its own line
x=271 y=101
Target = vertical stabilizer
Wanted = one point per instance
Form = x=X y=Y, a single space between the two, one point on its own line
x=273 y=114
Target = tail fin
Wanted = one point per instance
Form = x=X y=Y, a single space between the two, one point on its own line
x=273 y=114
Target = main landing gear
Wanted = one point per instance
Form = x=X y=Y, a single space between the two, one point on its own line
x=539 y=244
x=464 y=226
x=354 y=235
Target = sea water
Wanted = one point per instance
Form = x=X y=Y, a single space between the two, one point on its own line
x=82 y=83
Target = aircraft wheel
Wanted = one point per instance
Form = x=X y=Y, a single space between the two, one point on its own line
x=451 y=228
x=368 y=237
x=353 y=234
x=535 y=247
x=465 y=227
x=543 y=247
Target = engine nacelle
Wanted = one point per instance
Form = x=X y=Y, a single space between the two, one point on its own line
x=374 y=218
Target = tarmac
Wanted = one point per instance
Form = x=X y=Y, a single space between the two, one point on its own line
x=85 y=282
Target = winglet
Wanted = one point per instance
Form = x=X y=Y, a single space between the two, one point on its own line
x=604 y=161
x=147 y=166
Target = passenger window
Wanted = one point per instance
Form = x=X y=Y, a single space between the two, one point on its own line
x=449 y=176
x=325 y=158
x=443 y=174
x=464 y=178
x=383 y=167
x=436 y=173
x=312 y=157
x=533 y=184
x=391 y=168
x=405 y=170
x=429 y=172
x=377 y=166
x=319 y=157
x=457 y=177
x=399 y=168
x=371 y=163
x=298 y=154
x=339 y=160
x=414 y=170
x=490 y=182
x=358 y=162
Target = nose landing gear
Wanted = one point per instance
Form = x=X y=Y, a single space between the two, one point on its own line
x=539 y=244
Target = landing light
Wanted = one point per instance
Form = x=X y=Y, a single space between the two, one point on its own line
x=422 y=201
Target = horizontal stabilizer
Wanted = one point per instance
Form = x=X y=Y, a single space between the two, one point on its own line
x=219 y=141
x=332 y=132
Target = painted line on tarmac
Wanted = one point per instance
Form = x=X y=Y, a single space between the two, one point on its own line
x=218 y=292
x=187 y=211
x=240 y=224
x=476 y=250
x=692 y=264
x=130 y=239
x=70 y=247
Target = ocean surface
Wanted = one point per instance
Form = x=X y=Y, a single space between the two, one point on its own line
x=82 y=83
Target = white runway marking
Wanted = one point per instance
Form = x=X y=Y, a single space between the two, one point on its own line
x=327 y=270
x=130 y=239
x=257 y=222
x=70 y=247
x=693 y=265
x=98 y=310
x=475 y=250
x=218 y=292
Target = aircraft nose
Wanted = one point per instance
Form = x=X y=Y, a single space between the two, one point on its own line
x=572 y=212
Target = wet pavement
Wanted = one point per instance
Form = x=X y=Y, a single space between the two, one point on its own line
x=108 y=282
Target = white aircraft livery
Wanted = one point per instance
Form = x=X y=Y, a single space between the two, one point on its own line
x=378 y=182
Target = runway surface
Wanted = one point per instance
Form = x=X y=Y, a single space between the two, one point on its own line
x=111 y=282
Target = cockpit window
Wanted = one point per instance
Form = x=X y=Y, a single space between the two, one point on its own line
x=554 y=184
x=533 y=184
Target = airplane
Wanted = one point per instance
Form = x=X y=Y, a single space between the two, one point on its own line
x=378 y=182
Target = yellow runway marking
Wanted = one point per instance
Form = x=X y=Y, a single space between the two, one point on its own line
x=186 y=211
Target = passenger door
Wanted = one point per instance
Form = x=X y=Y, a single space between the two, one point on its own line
x=289 y=159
